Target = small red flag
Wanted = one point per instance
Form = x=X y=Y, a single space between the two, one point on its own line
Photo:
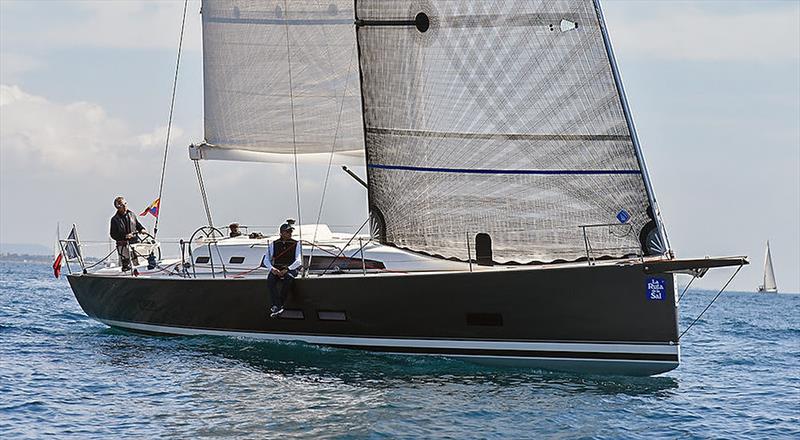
x=57 y=265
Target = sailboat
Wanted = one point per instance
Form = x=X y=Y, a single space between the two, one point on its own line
x=769 y=285
x=512 y=219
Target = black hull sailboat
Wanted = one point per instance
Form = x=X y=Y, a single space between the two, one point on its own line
x=588 y=318
x=603 y=318
x=500 y=127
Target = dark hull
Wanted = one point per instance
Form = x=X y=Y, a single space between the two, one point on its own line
x=594 y=319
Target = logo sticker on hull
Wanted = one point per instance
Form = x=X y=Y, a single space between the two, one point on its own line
x=656 y=289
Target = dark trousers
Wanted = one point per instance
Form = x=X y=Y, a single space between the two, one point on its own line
x=278 y=295
x=124 y=251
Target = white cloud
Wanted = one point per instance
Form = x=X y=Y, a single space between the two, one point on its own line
x=77 y=137
x=682 y=31
x=155 y=139
x=14 y=65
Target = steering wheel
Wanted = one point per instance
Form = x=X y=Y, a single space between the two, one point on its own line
x=206 y=232
x=144 y=237
x=146 y=240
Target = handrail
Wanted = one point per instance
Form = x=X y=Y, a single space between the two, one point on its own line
x=588 y=245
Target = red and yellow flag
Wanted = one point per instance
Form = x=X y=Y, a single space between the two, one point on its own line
x=153 y=208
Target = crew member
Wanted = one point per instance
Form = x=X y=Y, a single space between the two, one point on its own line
x=234 y=228
x=282 y=260
x=124 y=226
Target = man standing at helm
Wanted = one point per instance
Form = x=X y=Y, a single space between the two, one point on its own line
x=282 y=261
x=124 y=227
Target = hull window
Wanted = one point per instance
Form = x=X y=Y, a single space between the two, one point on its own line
x=331 y=316
x=485 y=319
x=292 y=314
x=236 y=260
x=201 y=260
x=342 y=264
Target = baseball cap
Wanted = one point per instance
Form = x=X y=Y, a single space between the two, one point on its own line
x=288 y=226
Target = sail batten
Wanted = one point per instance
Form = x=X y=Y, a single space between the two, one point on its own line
x=501 y=118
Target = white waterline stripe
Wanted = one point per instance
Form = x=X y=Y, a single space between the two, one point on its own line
x=421 y=343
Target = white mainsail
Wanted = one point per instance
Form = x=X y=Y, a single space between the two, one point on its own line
x=769 y=274
x=280 y=78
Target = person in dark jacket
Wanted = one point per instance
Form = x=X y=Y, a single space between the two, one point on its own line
x=282 y=260
x=234 y=230
x=124 y=226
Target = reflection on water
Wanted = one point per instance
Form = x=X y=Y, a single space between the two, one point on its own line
x=66 y=376
x=373 y=370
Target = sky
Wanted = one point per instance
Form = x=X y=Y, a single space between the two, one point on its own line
x=714 y=88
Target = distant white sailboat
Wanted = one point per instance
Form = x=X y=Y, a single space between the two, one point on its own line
x=769 y=285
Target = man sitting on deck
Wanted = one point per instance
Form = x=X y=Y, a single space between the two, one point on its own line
x=282 y=260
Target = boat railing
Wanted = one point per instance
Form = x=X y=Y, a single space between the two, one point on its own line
x=75 y=250
x=616 y=229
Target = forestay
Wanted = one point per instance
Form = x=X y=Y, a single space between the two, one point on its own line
x=499 y=117
x=280 y=77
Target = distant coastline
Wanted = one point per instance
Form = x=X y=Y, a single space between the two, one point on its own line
x=10 y=257
x=26 y=258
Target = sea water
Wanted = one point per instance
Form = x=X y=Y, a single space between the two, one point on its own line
x=63 y=375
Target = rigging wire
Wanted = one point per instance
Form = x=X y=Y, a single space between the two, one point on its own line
x=345 y=247
x=330 y=162
x=203 y=192
x=169 y=122
x=712 y=301
x=294 y=135
x=686 y=288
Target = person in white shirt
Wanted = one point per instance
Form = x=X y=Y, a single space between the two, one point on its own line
x=282 y=261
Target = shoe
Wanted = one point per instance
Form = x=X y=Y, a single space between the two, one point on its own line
x=275 y=312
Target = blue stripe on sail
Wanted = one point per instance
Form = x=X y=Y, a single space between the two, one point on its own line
x=491 y=171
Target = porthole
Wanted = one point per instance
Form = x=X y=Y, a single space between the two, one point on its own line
x=422 y=22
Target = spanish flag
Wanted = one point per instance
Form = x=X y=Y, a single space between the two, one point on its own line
x=57 y=265
x=153 y=208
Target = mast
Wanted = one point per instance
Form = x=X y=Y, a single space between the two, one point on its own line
x=381 y=239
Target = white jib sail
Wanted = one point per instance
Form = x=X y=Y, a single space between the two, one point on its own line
x=502 y=118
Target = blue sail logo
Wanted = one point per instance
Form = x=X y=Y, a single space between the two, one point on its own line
x=656 y=289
